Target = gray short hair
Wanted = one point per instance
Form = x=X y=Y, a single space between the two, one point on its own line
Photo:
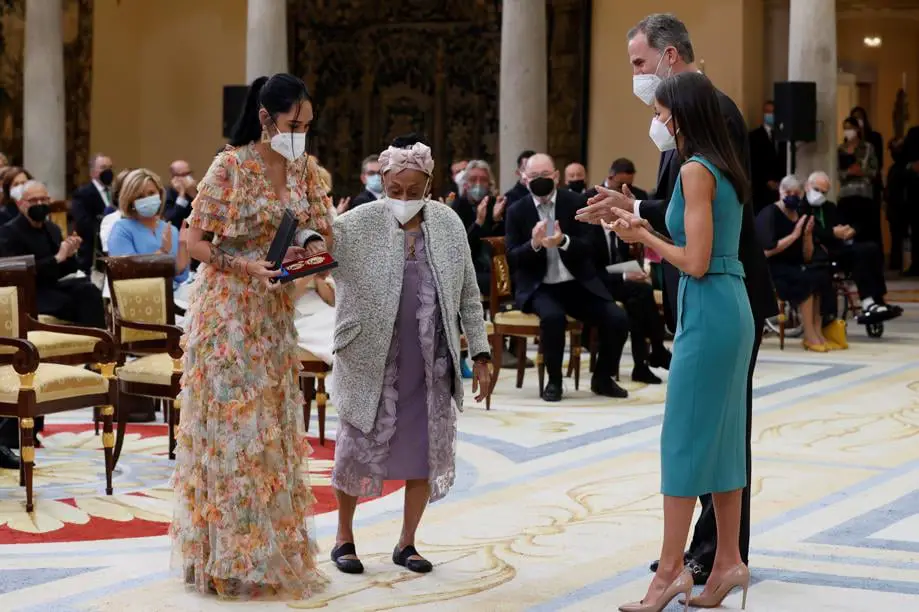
x=370 y=159
x=664 y=30
x=790 y=183
x=479 y=164
x=819 y=174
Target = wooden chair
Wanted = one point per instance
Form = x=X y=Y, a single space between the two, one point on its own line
x=517 y=324
x=58 y=215
x=312 y=383
x=30 y=388
x=143 y=318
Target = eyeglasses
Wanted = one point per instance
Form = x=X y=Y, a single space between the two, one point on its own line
x=38 y=201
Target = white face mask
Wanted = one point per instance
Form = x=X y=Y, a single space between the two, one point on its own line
x=661 y=136
x=458 y=180
x=815 y=198
x=16 y=193
x=644 y=85
x=404 y=210
x=849 y=134
x=290 y=145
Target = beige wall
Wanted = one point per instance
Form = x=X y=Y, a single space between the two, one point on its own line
x=898 y=54
x=728 y=39
x=158 y=74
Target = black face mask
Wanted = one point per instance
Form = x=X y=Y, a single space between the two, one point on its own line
x=541 y=186
x=106 y=177
x=38 y=212
x=577 y=186
x=792 y=202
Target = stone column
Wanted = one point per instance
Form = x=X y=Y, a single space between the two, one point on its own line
x=266 y=38
x=812 y=57
x=524 y=83
x=44 y=135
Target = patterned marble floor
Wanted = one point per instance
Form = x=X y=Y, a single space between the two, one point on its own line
x=556 y=507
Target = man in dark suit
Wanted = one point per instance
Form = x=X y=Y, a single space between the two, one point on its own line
x=911 y=161
x=87 y=206
x=660 y=44
x=182 y=190
x=554 y=276
x=767 y=158
x=621 y=177
x=633 y=290
x=372 y=180
x=519 y=190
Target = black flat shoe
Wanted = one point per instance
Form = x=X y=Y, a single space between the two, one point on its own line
x=608 y=388
x=347 y=566
x=643 y=374
x=8 y=459
x=660 y=358
x=404 y=558
x=552 y=392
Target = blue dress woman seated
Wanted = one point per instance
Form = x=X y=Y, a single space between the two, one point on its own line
x=141 y=230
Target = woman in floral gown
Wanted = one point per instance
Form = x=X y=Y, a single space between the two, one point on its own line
x=243 y=502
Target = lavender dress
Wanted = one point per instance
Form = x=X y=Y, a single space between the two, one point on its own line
x=415 y=432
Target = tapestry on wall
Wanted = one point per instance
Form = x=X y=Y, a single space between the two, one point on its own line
x=379 y=70
x=78 y=29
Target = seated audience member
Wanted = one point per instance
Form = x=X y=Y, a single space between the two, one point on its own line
x=112 y=217
x=315 y=316
x=482 y=214
x=621 y=176
x=554 y=276
x=372 y=180
x=182 y=190
x=863 y=260
x=142 y=229
x=576 y=177
x=634 y=291
x=519 y=190
x=60 y=290
x=788 y=239
x=88 y=206
x=12 y=178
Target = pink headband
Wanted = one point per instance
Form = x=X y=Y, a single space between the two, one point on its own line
x=418 y=157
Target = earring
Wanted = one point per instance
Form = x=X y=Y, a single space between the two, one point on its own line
x=265 y=136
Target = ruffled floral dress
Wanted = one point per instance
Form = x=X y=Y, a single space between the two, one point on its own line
x=242 y=525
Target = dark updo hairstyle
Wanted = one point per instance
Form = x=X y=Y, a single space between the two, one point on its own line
x=276 y=95
x=406 y=141
x=693 y=104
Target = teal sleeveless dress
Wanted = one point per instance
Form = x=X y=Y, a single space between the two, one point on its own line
x=704 y=430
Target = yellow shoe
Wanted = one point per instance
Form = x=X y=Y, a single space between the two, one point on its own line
x=817 y=348
x=832 y=346
x=835 y=332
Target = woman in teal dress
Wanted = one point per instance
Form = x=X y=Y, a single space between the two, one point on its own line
x=703 y=436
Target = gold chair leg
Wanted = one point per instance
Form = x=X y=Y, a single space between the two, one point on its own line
x=108 y=445
x=540 y=370
x=27 y=457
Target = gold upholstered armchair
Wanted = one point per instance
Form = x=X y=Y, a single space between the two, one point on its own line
x=517 y=324
x=143 y=323
x=30 y=387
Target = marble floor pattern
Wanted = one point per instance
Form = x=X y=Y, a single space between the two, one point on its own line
x=557 y=508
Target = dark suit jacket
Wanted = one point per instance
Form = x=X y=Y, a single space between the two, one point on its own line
x=911 y=145
x=767 y=159
x=19 y=237
x=604 y=256
x=87 y=208
x=758 y=281
x=517 y=192
x=173 y=213
x=466 y=209
x=362 y=198
x=529 y=266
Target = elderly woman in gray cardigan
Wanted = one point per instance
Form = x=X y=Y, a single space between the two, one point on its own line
x=405 y=284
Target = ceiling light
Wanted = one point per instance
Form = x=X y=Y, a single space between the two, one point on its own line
x=872 y=41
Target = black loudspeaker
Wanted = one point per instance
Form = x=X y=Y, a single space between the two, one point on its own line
x=234 y=99
x=795 y=111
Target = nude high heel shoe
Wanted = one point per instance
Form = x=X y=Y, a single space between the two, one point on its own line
x=739 y=577
x=682 y=585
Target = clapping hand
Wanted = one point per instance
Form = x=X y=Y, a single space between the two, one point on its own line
x=799 y=226
x=343 y=205
x=166 y=243
x=481 y=211
x=69 y=247
x=500 y=204
x=600 y=207
x=627 y=226
x=555 y=239
x=809 y=226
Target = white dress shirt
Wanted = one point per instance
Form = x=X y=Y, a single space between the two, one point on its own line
x=556 y=272
x=609 y=244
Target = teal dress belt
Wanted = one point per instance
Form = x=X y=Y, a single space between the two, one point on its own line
x=724 y=265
